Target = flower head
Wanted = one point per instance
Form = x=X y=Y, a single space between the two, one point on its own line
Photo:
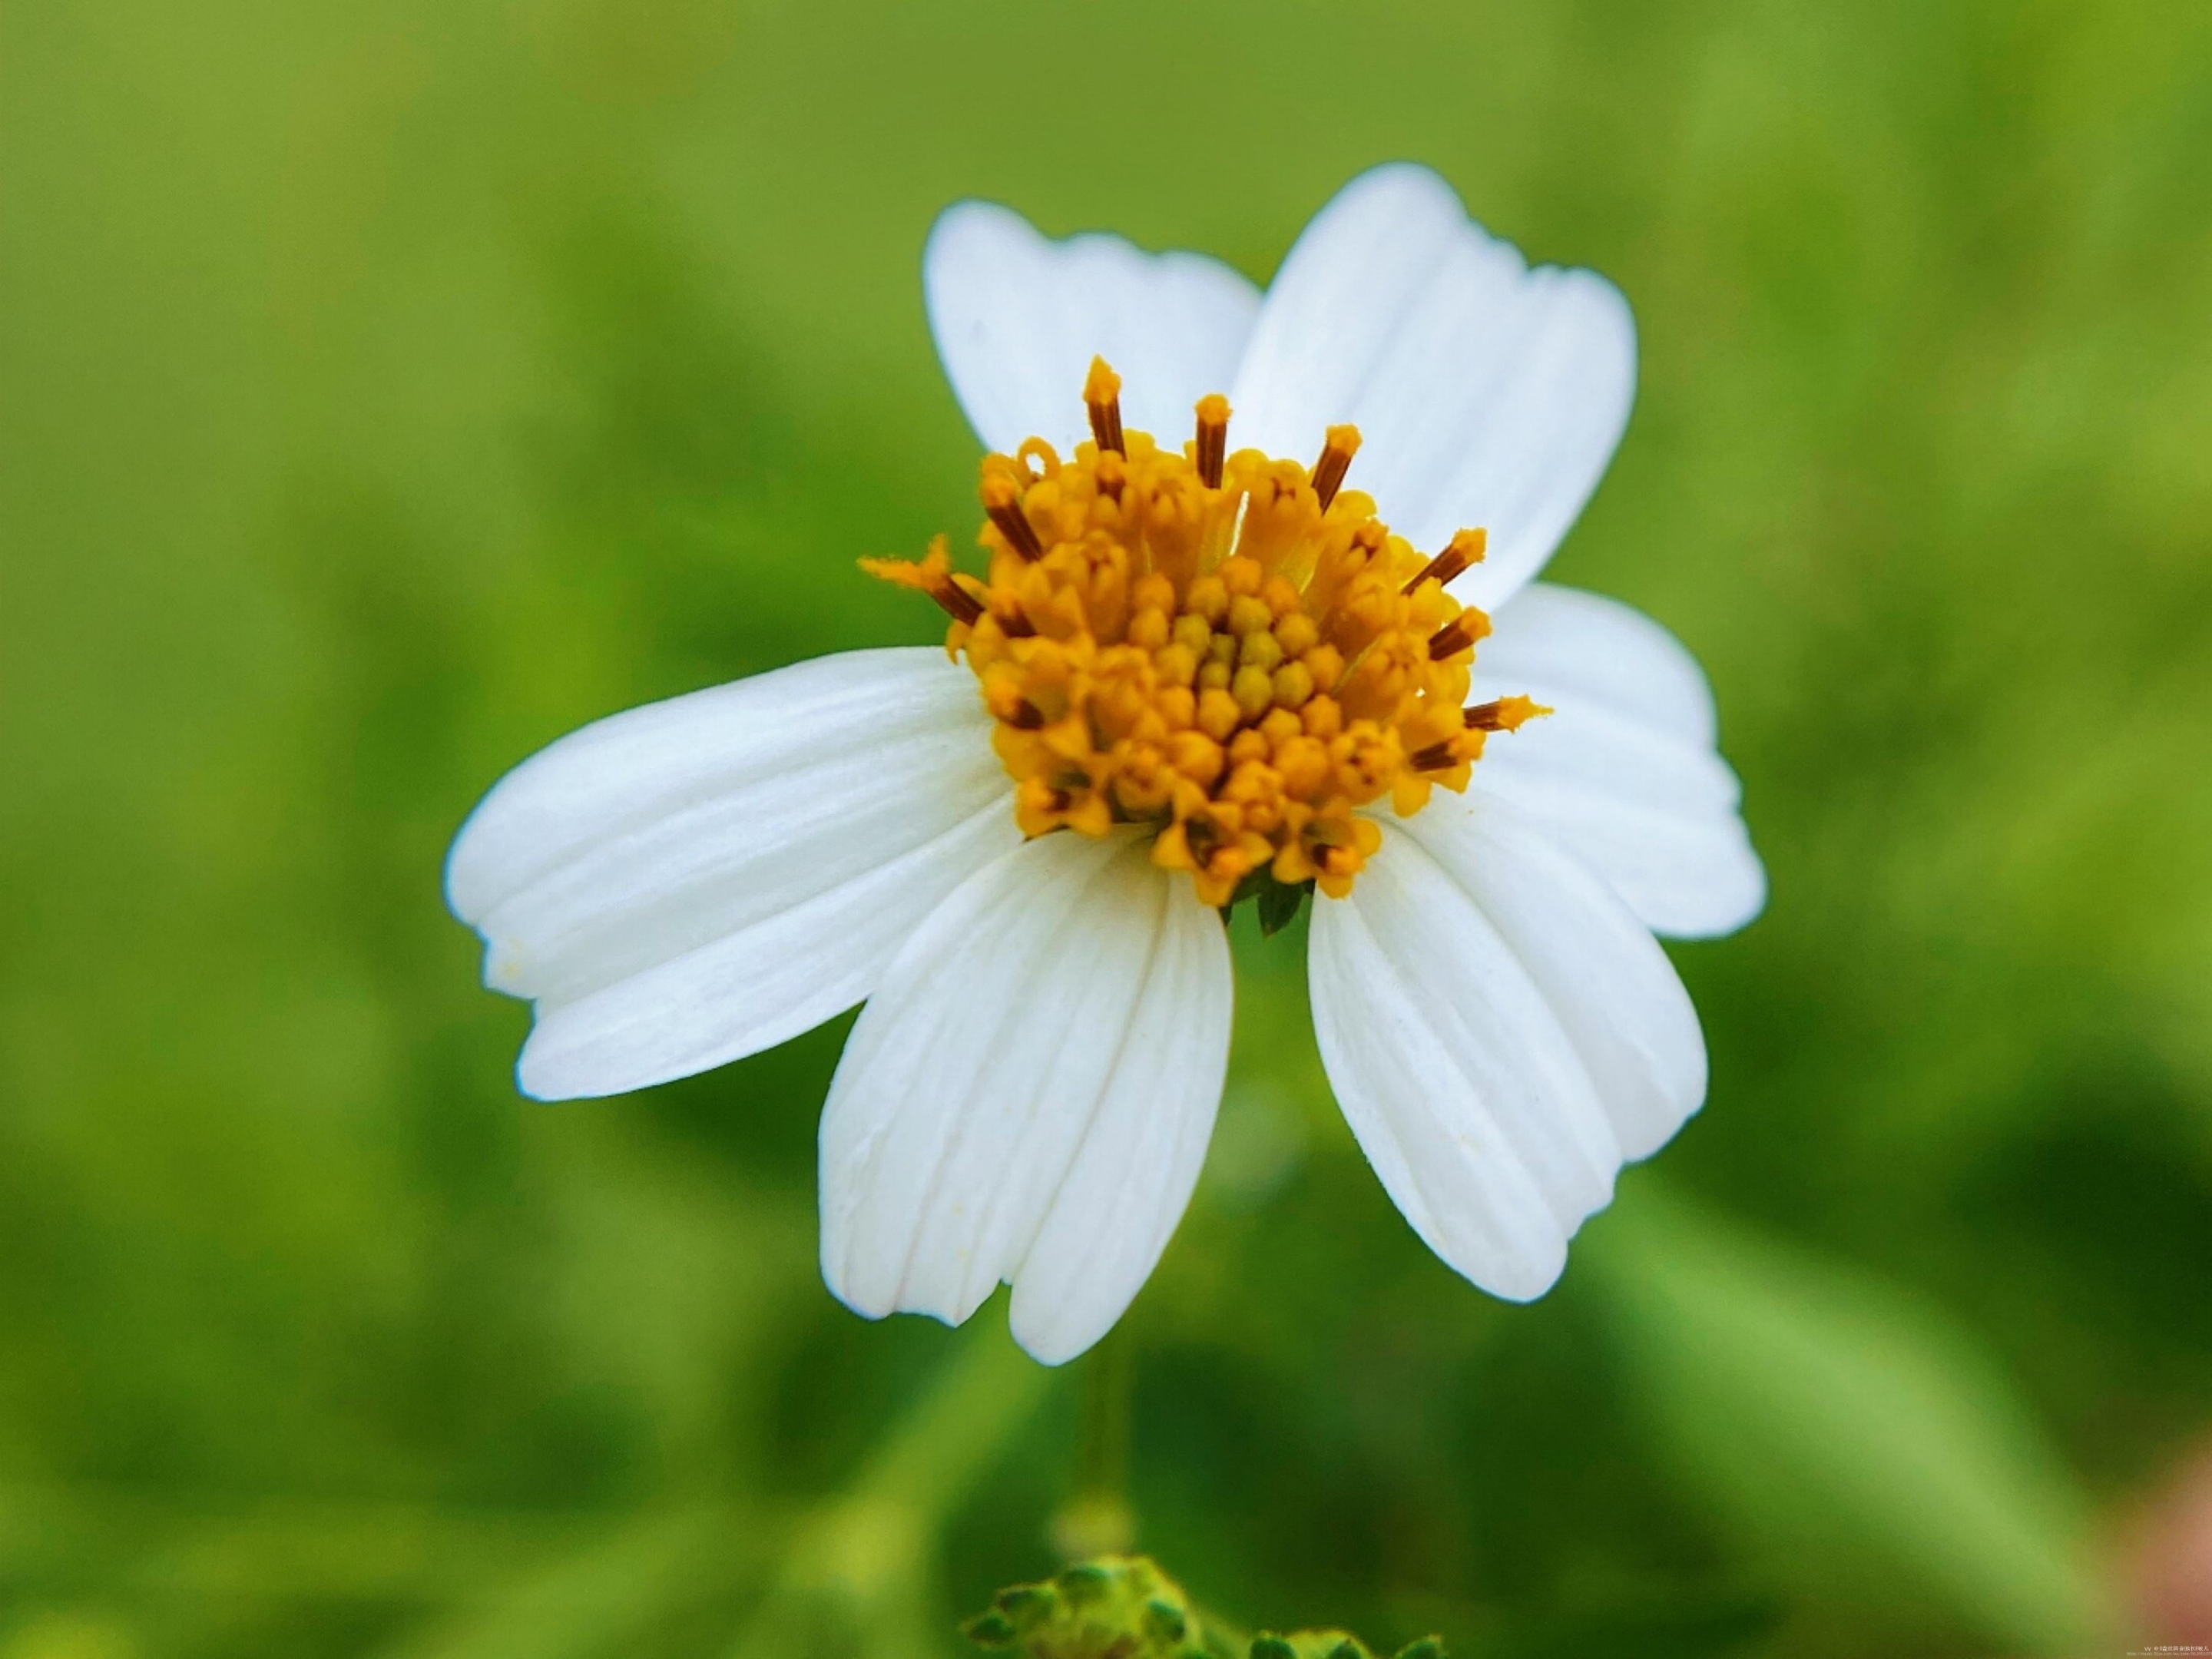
x=1226 y=649
x=1182 y=673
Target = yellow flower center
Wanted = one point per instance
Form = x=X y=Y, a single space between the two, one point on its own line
x=1228 y=649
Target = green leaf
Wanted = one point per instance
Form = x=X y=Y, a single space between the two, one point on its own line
x=1852 y=1432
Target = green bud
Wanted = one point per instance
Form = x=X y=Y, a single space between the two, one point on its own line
x=1025 y=1602
x=1123 y=1607
x=1139 y=1574
x=1086 y=1581
x=1164 y=1621
x=990 y=1630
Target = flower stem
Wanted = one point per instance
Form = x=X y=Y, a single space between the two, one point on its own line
x=1097 y=1519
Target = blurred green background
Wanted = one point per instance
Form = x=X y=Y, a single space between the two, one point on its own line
x=388 y=389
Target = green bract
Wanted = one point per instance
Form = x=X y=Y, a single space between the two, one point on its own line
x=1123 y=1607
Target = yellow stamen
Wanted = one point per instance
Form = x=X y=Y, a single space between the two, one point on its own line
x=1465 y=549
x=1223 y=651
x=1502 y=713
x=1002 y=502
x=1341 y=445
x=1458 y=634
x=1213 y=438
x=1439 y=756
x=933 y=577
x=1101 y=396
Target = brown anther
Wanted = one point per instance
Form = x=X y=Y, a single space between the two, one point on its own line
x=1502 y=713
x=1002 y=505
x=1467 y=549
x=1101 y=396
x=1341 y=444
x=957 y=601
x=933 y=577
x=1026 y=717
x=1017 y=626
x=1112 y=474
x=1434 y=758
x=1453 y=637
x=1213 y=438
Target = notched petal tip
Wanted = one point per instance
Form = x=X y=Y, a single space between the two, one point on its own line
x=1018 y=317
x=1499 y=1125
x=1058 y=1154
x=505 y=968
x=1488 y=392
x=680 y=884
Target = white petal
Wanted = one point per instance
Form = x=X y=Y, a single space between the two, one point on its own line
x=701 y=878
x=1019 y=318
x=1487 y=394
x=1459 y=1082
x=1597 y=968
x=1028 y=1095
x=1623 y=771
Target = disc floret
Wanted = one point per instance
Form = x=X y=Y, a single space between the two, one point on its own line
x=1223 y=647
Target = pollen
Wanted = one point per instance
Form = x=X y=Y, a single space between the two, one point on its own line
x=1222 y=648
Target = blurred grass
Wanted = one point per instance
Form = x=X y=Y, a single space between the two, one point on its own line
x=386 y=390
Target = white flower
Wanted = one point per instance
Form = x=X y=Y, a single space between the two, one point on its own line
x=1029 y=1092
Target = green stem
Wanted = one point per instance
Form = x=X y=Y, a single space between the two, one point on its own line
x=1097 y=1519
x=1104 y=1465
